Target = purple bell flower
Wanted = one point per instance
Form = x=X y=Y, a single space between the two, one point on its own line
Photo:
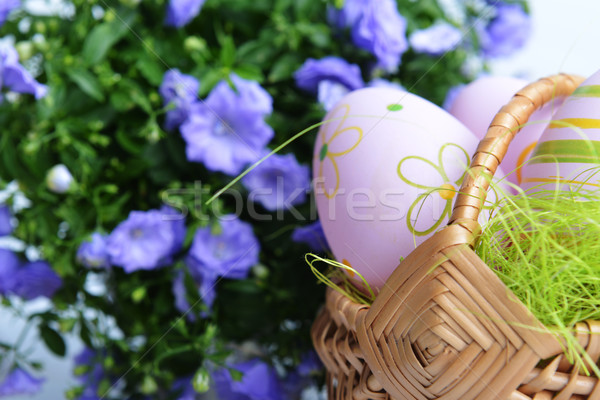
x=146 y=239
x=436 y=40
x=259 y=382
x=312 y=235
x=182 y=91
x=182 y=12
x=507 y=31
x=89 y=361
x=278 y=182
x=9 y=264
x=19 y=382
x=6 y=7
x=6 y=227
x=28 y=281
x=334 y=69
x=205 y=282
x=93 y=254
x=35 y=279
x=14 y=77
x=227 y=131
x=229 y=254
x=377 y=27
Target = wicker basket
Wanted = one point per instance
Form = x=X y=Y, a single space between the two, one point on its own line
x=444 y=326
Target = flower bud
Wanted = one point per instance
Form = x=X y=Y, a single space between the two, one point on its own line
x=59 y=179
x=25 y=50
x=194 y=43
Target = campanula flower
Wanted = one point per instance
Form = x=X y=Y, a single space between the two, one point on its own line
x=228 y=254
x=228 y=131
x=334 y=69
x=377 y=27
x=26 y=280
x=330 y=93
x=179 y=292
x=6 y=7
x=259 y=382
x=9 y=264
x=92 y=253
x=506 y=32
x=6 y=227
x=181 y=91
x=146 y=239
x=14 y=77
x=436 y=40
x=278 y=182
x=182 y=12
x=302 y=377
x=312 y=235
x=205 y=282
x=331 y=78
x=35 y=279
x=89 y=373
x=19 y=382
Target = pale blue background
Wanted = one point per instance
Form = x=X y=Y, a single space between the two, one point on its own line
x=566 y=38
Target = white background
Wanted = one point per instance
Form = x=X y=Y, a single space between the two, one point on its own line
x=566 y=38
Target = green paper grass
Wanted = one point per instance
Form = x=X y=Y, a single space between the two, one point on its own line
x=339 y=281
x=546 y=248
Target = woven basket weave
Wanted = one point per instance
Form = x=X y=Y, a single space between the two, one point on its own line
x=444 y=326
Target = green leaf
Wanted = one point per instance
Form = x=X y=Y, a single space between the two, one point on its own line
x=318 y=34
x=209 y=80
x=250 y=72
x=284 y=67
x=128 y=143
x=104 y=36
x=151 y=69
x=228 y=52
x=247 y=286
x=87 y=82
x=138 y=96
x=67 y=325
x=99 y=41
x=121 y=101
x=53 y=340
x=235 y=374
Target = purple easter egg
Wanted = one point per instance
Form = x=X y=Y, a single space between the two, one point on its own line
x=387 y=165
x=567 y=155
x=477 y=104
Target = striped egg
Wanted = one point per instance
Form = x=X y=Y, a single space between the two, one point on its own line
x=567 y=155
x=477 y=104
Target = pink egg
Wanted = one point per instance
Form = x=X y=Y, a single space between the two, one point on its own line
x=386 y=166
x=568 y=151
x=478 y=103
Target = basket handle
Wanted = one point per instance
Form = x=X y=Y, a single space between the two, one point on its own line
x=493 y=147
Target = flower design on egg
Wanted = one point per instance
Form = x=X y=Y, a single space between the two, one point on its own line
x=335 y=146
x=447 y=190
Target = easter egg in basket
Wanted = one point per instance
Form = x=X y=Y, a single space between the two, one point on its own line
x=387 y=166
x=477 y=104
x=567 y=155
